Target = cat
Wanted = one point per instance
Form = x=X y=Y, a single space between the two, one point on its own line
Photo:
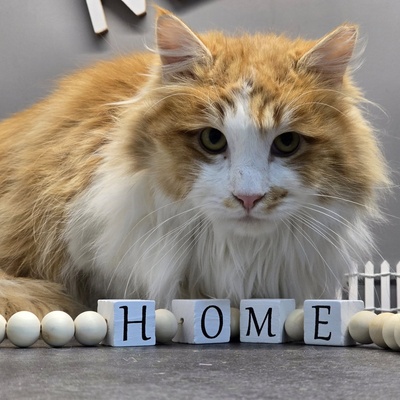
x=215 y=167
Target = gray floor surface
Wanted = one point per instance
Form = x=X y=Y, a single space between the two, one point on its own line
x=176 y=371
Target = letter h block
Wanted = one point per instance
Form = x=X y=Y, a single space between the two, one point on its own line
x=202 y=321
x=129 y=322
x=326 y=321
x=263 y=320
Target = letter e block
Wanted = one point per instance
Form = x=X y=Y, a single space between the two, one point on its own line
x=129 y=322
x=202 y=321
x=326 y=321
x=263 y=320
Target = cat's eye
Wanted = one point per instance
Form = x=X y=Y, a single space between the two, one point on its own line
x=286 y=144
x=213 y=140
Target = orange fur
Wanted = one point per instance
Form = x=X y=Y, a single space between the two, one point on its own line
x=50 y=153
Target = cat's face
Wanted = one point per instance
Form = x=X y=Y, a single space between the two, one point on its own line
x=249 y=185
x=254 y=130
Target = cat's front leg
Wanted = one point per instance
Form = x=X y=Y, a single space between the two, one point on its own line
x=35 y=295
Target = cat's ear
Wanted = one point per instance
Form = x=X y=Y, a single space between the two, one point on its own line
x=331 y=56
x=178 y=46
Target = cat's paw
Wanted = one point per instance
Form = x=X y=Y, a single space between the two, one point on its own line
x=37 y=296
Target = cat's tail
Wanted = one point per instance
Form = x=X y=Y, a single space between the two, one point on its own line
x=35 y=295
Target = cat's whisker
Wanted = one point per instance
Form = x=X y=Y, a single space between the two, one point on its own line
x=319 y=103
x=288 y=224
x=331 y=237
x=169 y=96
x=181 y=229
x=148 y=234
x=323 y=195
x=144 y=238
x=187 y=238
x=342 y=199
x=343 y=221
x=364 y=101
x=289 y=106
x=174 y=233
x=334 y=239
x=156 y=212
x=307 y=237
x=204 y=226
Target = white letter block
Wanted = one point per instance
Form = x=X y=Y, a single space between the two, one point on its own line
x=326 y=321
x=263 y=320
x=129 y=322
x=202 y=321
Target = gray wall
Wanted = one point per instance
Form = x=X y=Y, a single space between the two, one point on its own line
x=41 y=40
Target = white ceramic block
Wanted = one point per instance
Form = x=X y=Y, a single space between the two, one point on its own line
x=130 y=322
x=202 y=321
x=263 y=320
x=326 y=321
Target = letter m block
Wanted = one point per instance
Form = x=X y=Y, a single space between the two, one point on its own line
x=129 y=322
x=263 y=320
x=202 y=321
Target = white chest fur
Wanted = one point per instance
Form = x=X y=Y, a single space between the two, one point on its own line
x=136 y=243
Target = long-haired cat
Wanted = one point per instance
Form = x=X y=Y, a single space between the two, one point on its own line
x=223 y=167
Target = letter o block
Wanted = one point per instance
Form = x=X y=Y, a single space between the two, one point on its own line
x=202 y=321
x=326 y=321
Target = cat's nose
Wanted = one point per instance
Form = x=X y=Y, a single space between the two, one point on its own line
x=249 y=201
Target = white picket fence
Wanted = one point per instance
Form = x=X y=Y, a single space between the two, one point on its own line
x=379 y=290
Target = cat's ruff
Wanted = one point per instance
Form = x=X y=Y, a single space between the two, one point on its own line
x=221 y=167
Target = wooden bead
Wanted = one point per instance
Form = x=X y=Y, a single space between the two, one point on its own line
x=294 y=324
x=23 y=329
x=359 y=326
x=57 y=328
x=90 y=328
x=375 y=329
x=388 y=331
x=166 y=325
x=3 y=325
x=396 y=333
x=235 y=323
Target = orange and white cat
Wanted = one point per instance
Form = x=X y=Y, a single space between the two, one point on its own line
x=223 y=167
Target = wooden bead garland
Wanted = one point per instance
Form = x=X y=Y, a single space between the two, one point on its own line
x=57 y=328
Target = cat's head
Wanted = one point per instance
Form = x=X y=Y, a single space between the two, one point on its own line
x=255 y=129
